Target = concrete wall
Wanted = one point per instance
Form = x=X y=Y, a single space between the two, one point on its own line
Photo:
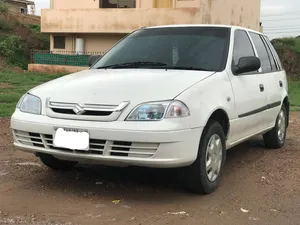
x=111 y=20
x=86 y=4
x=243 y=13
x=93 y=4
x=74 y=4
x=54 y=68
x=98 y=43
x=187 y=3
x=94 y=20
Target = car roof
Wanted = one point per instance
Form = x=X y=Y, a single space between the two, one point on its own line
x=203 y=25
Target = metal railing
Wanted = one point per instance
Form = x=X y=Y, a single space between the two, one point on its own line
x=68 y=58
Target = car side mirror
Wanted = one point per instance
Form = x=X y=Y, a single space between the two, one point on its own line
x=246 y=65
x=93 y=59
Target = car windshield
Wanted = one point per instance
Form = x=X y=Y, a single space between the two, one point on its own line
x=191 y=48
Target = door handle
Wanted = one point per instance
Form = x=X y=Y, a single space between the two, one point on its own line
x=261 y=87
x=280 y=83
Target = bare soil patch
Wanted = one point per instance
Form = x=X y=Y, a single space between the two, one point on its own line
x=259 y=186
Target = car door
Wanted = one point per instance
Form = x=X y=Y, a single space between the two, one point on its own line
x=277 y=83
x=249 y=92
x=271 y=75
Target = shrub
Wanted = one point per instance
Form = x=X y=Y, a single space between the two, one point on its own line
x=12 y=49
x=5 y=25
x=288 y=41
x=3 y=7
x=45 y=41
x=35 y=28
x=288 y=50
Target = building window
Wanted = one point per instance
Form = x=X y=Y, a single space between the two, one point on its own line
x=23 y=11
x=59 y=42
x=117 y=3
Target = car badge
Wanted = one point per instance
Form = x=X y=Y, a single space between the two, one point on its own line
x=78 y=109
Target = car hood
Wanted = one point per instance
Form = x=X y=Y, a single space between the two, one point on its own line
x=113 y=86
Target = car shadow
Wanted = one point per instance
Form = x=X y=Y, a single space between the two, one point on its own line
x=140 y=183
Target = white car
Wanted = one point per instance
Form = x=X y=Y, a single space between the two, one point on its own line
x=165 y=97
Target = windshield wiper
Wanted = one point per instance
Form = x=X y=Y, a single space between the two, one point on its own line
x=133 y=65
x=186 y=68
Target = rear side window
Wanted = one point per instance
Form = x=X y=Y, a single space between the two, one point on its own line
x=274 y=65
x=274 y=53
x=242 y=46
x=262 y=53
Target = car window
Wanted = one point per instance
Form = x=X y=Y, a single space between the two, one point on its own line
x=271 y=56
x=242 y=46
x=203 y=48
x=262 y=52
x=274 y=52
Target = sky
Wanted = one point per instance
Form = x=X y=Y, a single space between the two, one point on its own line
x=279 y=17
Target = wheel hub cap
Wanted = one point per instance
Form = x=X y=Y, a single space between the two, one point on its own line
x=281 y=126
x=213 y=157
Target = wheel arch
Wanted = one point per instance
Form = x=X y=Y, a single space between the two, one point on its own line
x=221 y=116
x=286 y=103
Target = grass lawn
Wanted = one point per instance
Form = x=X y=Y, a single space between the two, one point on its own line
x=14 y=85
x=294 y=95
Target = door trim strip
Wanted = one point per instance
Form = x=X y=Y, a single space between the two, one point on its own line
x=261 y=109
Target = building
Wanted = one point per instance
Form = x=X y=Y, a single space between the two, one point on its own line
x=96 y=25
x=20 y=6
x=80 y=28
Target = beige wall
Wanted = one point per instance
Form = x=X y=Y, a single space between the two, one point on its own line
x=84 y=4
x=186 y=3
x=230 y=12
x=111 y=20
x=74 y=4
x=94 y=4
x=42 y=68
x=144 y=4
x=243 y=13
x=99 y=43
x=89 y=4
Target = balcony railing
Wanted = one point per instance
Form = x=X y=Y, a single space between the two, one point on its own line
x=68 y=58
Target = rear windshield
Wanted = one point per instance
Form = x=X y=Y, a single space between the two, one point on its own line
x=200 y=48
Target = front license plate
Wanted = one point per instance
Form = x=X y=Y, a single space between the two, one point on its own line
x=71 y=139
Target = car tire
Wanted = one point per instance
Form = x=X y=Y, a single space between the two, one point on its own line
x=199 y=178
x=55 y=163
x=275 y=138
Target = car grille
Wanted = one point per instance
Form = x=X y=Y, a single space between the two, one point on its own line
x=89 y=112
x=86 y=113
x=97 y=146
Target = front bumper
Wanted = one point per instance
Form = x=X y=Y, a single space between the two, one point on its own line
x=111 y=143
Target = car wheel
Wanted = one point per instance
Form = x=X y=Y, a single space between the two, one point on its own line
x=275 y=138
x=55 y=163
x=204 y=175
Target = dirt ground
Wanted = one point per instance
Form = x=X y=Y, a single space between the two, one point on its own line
x=259 y=187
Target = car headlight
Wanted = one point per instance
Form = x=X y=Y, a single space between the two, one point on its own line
x=158 y=110
x=30 y=104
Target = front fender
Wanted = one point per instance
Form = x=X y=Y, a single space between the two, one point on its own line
x=209 y=95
